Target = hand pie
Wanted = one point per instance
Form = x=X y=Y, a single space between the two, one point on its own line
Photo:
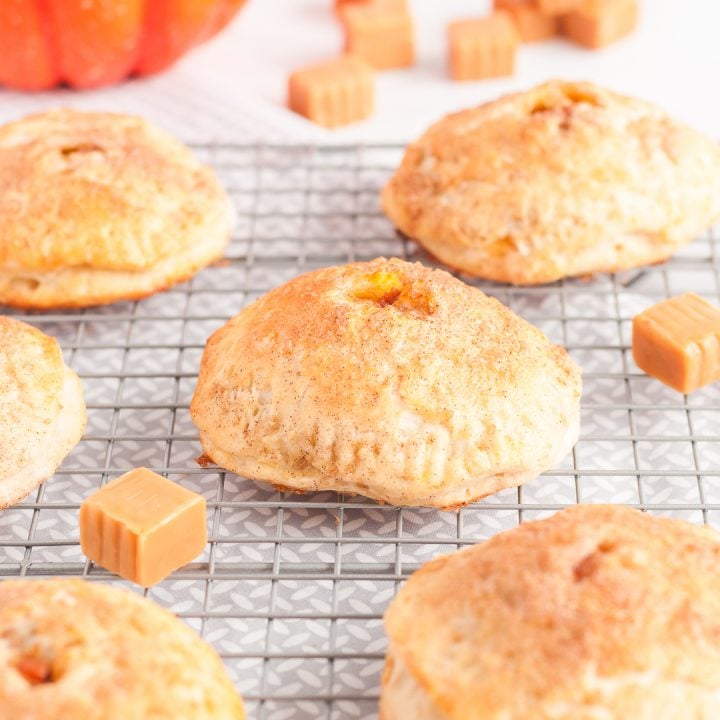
x=597 y=612
x=98 y=207
x=42 y=412
x=386 y=379
x=78 y=650
x=565 y=179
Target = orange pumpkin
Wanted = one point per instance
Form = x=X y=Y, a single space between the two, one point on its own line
x=88 y=43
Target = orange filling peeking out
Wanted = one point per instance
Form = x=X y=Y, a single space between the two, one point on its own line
x=381 y=287
x=389 y=288
x=34 y=670
x=571 y=95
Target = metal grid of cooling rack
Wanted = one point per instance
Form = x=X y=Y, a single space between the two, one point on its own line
x=291 y=589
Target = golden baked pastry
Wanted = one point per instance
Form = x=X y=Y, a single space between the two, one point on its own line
x=42 y=411
x=598 y=613
x=565 y=179
x=75 y=650
x=386 y=379
x=98 y=207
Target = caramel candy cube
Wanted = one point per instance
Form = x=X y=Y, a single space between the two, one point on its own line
x=483 y=48
x=395 y=4
x=558 y=7
x=677 y=341
x=143 y=526
x=597 y=23
x=333 y=93
x=379 y=33
x=532 y=24
x=507 y=4
x=342 y=3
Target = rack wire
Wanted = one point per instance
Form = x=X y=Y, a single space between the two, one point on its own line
x=291 y=588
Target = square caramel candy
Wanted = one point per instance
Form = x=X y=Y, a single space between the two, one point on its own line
x=677 y=341
x=333 y=93
x=532 y=24
x=509 y=4
x=342 y=3
x=143 y=526
x=597 y=23
x=380 y=33
x=557 y=7
x=483 y=48
x=395 y=4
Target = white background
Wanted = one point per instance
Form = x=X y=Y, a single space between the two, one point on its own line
x=233 y=88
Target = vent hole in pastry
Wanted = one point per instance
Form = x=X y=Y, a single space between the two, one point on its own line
x=590 y=564
x=606 y=546
x=80 y=148
x=570 y=95
x=389 y=288
x=34 y=670
x=542 y=106
x=24 y=284
x=83 y=155
x=586 y=567
x=501 y=247
x=381 y=287
x=576 y=96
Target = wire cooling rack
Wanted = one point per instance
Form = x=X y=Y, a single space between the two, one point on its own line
x=291 y=588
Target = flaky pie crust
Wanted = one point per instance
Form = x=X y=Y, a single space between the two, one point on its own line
x=565 y=179
x=386 y=379
x=98 y=207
